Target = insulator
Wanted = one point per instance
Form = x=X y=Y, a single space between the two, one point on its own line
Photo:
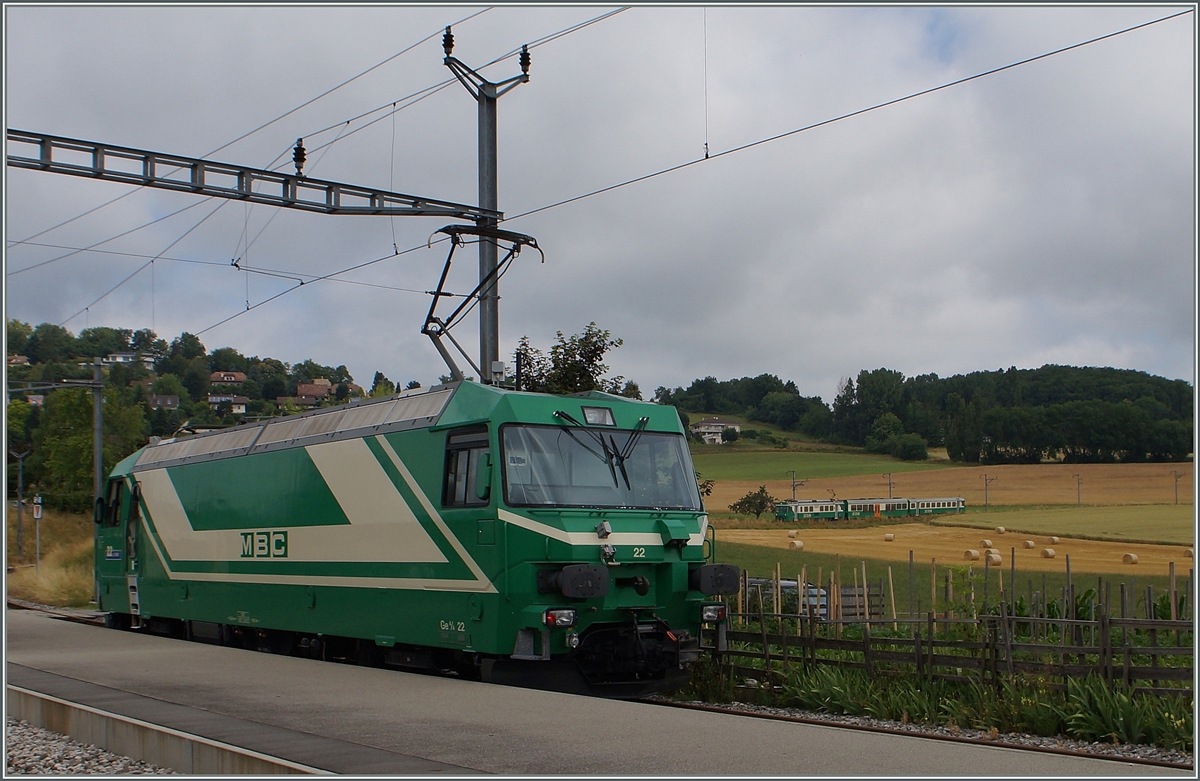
x=448 y=42
x=525 y=60
x=298 y=155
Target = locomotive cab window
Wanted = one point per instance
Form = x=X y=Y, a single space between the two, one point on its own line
x=464 y=479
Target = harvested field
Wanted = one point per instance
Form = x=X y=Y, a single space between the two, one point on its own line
x=1015 y=484
x=1161 y=523
x=948 y=543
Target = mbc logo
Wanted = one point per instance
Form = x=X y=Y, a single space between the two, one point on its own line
x=264 y=545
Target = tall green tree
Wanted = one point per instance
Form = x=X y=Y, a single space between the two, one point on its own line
x=100 y=341
x=18 y=336
x=575 y=365
x=63 y=443
x=381 y=386
x=50 y=344
x=227 y=359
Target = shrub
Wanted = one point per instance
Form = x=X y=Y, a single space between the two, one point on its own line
x=909 y=447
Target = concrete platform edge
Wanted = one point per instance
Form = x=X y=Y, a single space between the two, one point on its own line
x=157 y=745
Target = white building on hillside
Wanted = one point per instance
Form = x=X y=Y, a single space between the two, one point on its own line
x=711 y=430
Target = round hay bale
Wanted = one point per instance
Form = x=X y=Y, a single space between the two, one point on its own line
x=991 y=552
x=985 y=543
x=1053 y=540
x=1189 y=553
x=999 y=530
x=889 y=538
x=971 y=555
x=1047 y=553
x=796 y=545
x=993 y=559
x=1129 y=558
x=793 y=534
x=1030 y=544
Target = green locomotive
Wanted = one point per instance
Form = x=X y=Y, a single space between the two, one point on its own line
x=548 y=541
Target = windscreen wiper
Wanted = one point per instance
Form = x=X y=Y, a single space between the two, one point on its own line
x=609 y=455
x=630 y=444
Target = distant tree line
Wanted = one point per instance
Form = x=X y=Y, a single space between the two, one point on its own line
x=1078 y=414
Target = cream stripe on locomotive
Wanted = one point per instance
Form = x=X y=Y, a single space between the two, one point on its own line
x=382 y=527
x=646 y=539
x=433 y=513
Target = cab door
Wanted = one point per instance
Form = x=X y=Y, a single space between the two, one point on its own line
x=116 y=543
x=110 y=547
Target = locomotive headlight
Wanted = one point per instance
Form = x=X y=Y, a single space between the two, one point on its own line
x=712 y=614
x=557 y=618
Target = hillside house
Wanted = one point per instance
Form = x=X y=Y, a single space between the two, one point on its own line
x=237 y=403
x=128 y=359
x=227 y=378
x=711 y=429
x=166 y=401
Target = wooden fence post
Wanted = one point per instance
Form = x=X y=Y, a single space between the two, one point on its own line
x=932 y=628
x=867 y=647
x=932 y=589
x=1171 y=588
x=912 y=584
x=892 y=592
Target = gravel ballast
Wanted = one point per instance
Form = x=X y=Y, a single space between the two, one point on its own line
x=33 y=751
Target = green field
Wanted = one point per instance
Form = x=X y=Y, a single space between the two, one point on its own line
x=760 y=562
x=718 y=462
x=1171 y=523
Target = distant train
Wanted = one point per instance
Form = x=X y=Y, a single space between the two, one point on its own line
x=846 y=509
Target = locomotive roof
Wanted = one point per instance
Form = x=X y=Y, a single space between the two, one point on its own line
x=419 y=408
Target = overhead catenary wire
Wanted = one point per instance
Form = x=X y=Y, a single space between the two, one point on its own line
x=413 y=98
x=264 y=125
x=226 y=264
x=760 y=142
x=150 y=263
x=104 y=241
x=842 y=117
x=420 y=95
x=344 y=83
x=321 y=278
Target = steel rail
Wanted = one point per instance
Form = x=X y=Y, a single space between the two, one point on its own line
x=998 y=743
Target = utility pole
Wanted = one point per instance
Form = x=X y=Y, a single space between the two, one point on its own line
x=21 y=500
x=986 y=482
x=1177 y=476
x=1078 y=490
x=97 y=431
x=486 y=93
x=795 y=482
x=889 y=477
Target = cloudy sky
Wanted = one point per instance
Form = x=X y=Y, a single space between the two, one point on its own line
x=1044 y=214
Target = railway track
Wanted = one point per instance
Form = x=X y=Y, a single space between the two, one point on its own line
x=93 y=618
x=999 y=742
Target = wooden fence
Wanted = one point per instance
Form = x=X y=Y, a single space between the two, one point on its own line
x=1153 y=656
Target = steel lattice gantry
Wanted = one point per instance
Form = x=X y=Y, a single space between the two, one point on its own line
x=224 y=180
